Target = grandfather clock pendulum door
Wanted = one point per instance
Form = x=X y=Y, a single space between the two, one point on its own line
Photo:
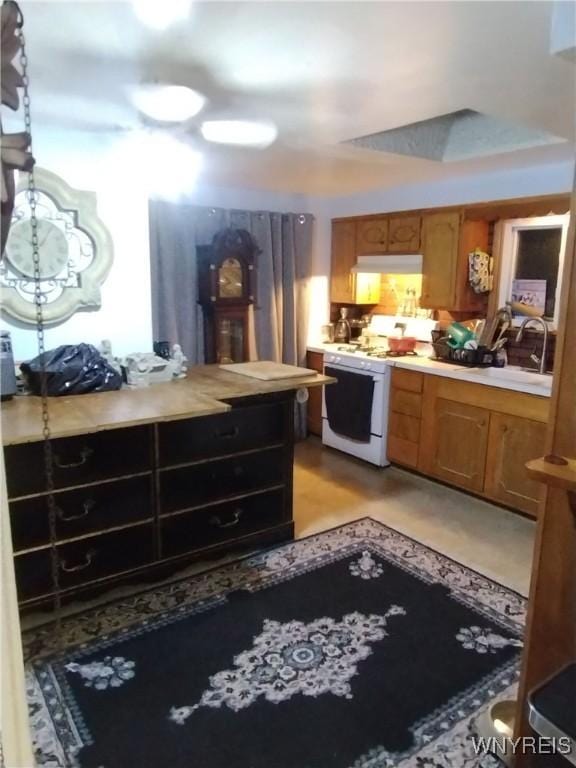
x=226 y=291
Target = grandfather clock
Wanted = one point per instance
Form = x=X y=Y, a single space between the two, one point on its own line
x=226 y=288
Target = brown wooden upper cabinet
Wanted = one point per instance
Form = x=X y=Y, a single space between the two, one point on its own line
x=345 y=286
x=447 y=239
x=343 y=259
x=440 y=238
x=372 y=236
x=404 y=234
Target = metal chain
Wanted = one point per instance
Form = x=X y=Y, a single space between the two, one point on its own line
x=32 y=198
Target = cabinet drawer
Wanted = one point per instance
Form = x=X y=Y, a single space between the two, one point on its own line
x=220 y=522
x=83 y=561
x=83 y=510
x=208 y=436
x=402 y=451
x=412 y=381
x=199 y=484
x=409 y=403
x=405 y=427
x=78 y=460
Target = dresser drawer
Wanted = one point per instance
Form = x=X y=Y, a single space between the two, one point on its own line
x=83 y=561
x=78 y=460
x=198 y=484
x=208 y=436
x=217 y=523
x=83 y=510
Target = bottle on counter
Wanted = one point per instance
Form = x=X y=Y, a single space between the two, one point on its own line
x=342 y=331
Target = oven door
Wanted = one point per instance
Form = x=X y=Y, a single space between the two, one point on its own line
x=373 y=451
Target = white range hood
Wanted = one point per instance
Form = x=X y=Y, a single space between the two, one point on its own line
x=394 y=264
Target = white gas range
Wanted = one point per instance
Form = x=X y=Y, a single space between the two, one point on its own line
x=377 y=364
x=373 y=449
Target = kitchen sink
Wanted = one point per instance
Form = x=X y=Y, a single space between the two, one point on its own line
x=512 y=373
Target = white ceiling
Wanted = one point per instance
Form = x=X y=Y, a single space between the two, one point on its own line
x=326 y=72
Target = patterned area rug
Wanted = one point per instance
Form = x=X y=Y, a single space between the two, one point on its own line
x=355 y=648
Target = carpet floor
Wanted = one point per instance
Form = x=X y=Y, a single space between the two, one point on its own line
x=353 y=648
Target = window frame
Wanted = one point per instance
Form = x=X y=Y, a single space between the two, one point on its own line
x=509 y=256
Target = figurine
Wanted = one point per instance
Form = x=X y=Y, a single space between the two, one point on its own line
x=179 y=359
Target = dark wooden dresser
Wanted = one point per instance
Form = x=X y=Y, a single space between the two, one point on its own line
x=137 y=502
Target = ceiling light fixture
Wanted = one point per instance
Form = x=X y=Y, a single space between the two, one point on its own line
x=246 y=133
x=160 y=14
x=167 y=103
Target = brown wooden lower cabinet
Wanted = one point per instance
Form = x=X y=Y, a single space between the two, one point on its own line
x=512 y=442
x=472 y=436
x=404 y=418
x=315 y=360
x=459 y=439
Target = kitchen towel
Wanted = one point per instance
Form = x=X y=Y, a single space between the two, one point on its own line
x=349 y=404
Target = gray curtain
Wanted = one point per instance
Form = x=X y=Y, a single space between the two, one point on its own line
x=283 y=270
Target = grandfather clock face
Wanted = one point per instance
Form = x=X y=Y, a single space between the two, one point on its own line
x=230 y=279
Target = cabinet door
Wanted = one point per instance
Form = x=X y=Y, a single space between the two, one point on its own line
x=440 y=233
x=315 y=360
x=343 y=259
x=404 y=234
x=460 y=438
x=512 y=442
x=372 y=236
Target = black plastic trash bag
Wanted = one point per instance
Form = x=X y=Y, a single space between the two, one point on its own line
x=72 y=369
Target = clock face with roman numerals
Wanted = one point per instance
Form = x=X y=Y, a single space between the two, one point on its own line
x=52 y=248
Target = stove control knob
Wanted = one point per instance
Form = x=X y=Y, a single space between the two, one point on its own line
x=337 y=359
x=362 y=365
x=368 y=365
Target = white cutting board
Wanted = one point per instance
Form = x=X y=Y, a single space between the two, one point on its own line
x=266 y=370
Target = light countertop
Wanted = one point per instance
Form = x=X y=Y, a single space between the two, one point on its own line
x=201 y=393
x=507 y=378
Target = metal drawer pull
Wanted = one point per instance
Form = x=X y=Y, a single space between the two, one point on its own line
x=87 y=506
x=215 y=520
x=81 y=566
x=234 y=432
x=85 y=454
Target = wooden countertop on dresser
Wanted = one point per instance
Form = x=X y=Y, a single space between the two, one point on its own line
x=199 y=394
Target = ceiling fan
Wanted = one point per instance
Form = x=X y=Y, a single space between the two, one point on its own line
x=166 y=104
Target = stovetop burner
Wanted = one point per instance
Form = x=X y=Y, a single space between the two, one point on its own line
x=383 y=353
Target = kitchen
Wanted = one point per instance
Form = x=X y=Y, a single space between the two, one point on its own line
x=306 y=321
x=438 y=386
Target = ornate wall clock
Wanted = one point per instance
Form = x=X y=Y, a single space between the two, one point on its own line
x=76 y=252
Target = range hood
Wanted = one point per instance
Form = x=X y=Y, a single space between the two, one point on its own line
x=394 y=264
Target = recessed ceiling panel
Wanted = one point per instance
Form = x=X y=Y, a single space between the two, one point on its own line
x=461 y=135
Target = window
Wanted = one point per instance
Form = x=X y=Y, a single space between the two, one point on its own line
x=531 y=263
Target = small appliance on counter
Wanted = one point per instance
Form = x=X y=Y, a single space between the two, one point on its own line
x=327 y=333
x=343 y=332
x=8 y=386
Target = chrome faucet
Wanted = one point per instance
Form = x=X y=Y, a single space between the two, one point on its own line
x=540 y=360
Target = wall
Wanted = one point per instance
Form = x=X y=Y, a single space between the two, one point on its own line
x=86 y=161
x=91 y=162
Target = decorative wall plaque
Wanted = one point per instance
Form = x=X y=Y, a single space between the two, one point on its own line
x=76 y=252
